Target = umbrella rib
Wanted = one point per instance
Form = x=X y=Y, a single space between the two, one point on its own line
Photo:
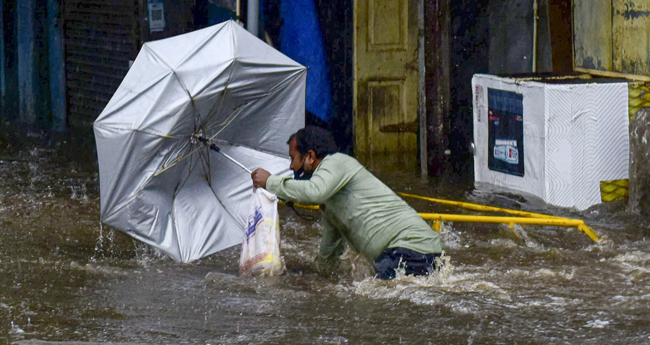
x=209 y=181
x=273 y=90
x=228 y=121
x=179 y=79
x=176 y=161
x=223 y=98
x=243 y=226
x=189 y=173
x=234 y=61
x=205 y=160
x=231 y=118
x=139 y=189
x=126 y=101
x=173 y=71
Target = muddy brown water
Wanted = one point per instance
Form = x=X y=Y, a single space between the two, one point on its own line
x=64 y=279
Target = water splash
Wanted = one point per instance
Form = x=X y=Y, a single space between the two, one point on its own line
x=450 y=238
x=428 y=289
x=15 y=329
x=635 y=256
x=98 y=269
x=79 y=192
x=84 y=193
x=541 y=274
x=356 y=266
x=146 y=254
x=505 y=243
x=530 y=243
x=99 y=245
x=597 y=323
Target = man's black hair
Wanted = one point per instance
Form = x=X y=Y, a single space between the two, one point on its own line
x=318 y=139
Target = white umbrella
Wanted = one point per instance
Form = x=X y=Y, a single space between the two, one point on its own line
x=159 y=180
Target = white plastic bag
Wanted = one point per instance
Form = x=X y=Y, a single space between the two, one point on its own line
x=260 y=251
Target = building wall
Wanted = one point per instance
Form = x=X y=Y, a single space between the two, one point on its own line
x=493 y=37
x=470 y=54
x=3 y=87
x=612 y=35
x=101 y=38
x=512 y=33
x=9 y=109
x=336 y=22
x=49 y=84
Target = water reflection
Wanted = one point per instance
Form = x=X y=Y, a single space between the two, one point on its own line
x=64 y=277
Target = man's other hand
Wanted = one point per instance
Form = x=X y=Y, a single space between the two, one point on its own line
x=259 y=178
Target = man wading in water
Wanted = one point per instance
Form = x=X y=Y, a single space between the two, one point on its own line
x=357 y=208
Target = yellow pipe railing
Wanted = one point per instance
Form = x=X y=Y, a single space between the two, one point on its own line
x=528 y=218
x=538 y=217
x=309 y=207
x=483 y=208
x=439 y=217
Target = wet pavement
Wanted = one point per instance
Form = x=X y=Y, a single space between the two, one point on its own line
x=65 y=279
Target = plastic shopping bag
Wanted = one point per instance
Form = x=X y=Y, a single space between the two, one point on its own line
x=260 y=251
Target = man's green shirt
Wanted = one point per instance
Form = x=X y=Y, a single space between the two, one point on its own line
x=359 y=209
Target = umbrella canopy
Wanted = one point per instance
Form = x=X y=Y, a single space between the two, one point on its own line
x=159 y=181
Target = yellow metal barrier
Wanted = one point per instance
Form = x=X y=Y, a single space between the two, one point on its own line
x=529 y=218
x=438 y=217
x=483 y=208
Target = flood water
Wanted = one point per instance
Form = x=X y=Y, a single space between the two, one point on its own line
x=65 y=279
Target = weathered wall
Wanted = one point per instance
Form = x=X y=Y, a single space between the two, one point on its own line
x=630 y=36
x=612 y=35
x=437 y=22
x=593 y=34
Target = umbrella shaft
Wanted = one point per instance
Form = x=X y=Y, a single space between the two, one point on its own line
x=215 y=148
x=235 y=161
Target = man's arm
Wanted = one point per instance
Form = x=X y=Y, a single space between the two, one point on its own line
x=332 y=245
x=326 y=181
